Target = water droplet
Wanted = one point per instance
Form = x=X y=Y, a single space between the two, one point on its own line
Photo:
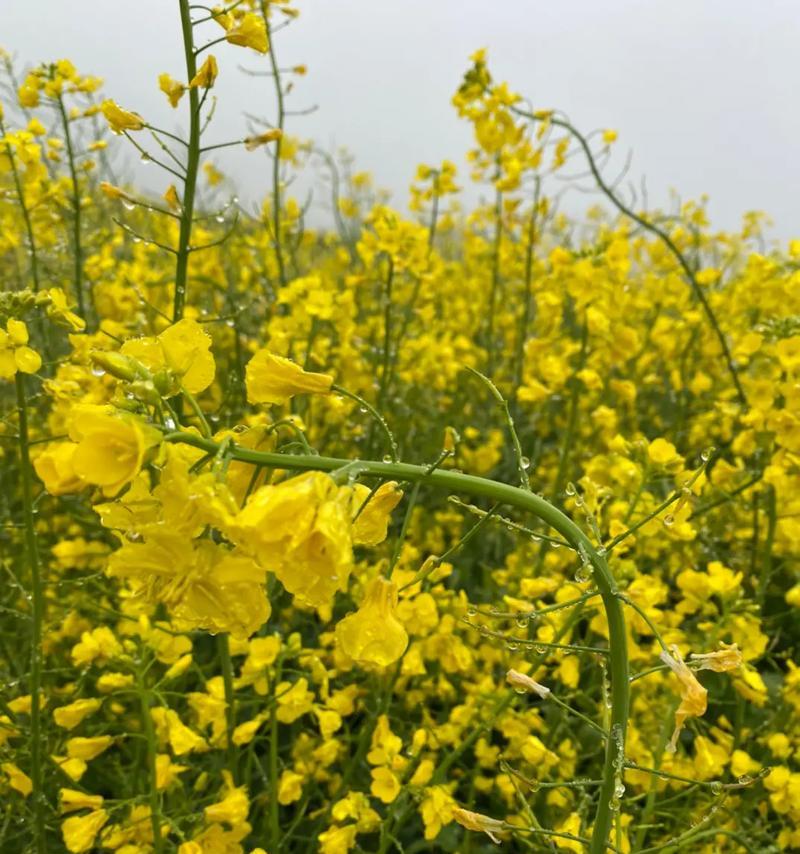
x=145 y=159
x=570 y=489
x=716 y=787
x=583 y=573
x=512 y=646
x=669 y=520
x=745 y=780
x=706 y=455
x=539 y=648
x=128 y=205
x=363 y=410
x=525 y=463
x=387 y=458
x=471 y=611
x=522 y=621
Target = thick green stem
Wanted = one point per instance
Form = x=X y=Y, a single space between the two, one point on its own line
x=223 y=650
x=192 y=164
x=526 y=501
x=37 y=618
x=152 y=750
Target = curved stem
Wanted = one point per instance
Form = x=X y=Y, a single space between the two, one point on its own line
x=525 y=501
x=652 y=228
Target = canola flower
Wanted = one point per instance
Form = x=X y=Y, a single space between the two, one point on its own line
x=252 y=607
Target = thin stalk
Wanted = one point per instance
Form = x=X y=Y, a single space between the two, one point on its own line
x=26 y=215
x=527 y=502
x=37 y=618
x=274 y=816
x=527 y=299
x=387 y=333
x=276 y=159
x=495 y=286
x=77 y=249
x=192 y=164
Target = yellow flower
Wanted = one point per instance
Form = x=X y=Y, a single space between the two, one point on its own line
x=482 y=823
x=203 y=584
x=88 y=748
x=251 y=143
x=71 y=715
x=206 y=74
x=120 y=120
x=374 y=635
x=111 y=447
x=300 y=530
x=58 y=309
x=15 y=355
x=173 y=89
x=71 y=800
x=167 y=771
x=54 y=467
x=290 y=787
x=183 y=349
x=694 y=697
x=609 y=136
x=28 y=92
x=369 y=528
x=172 y=199
x=100 y=643
x=248 y=31
x=273 y=379
x=17 y=779
x=385 y=785
x=79 y=832
x=337 y=840
x=661 y=452
x=233 y=807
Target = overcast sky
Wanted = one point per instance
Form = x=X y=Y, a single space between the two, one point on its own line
x=703 y=91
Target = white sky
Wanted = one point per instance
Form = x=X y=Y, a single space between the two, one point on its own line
x=703 y=91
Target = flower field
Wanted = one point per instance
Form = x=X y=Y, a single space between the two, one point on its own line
x=346 y=527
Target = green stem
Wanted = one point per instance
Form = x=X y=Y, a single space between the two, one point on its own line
x=152 y=751
x=224 y=652
x=526 y=501
x=495 y=286
x=32 y=552
x=274 y=815
x=77 y=249
x=26 y=216
x=192 y=164
x=276 y=160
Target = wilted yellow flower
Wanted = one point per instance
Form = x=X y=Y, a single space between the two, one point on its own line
x=476 y=821
x=373 y=634
x=694 y=697
x=521 y=682
x=120 y=120
x=15 y=355
x=727 y=657
x=273 y=379
x=79 y=832
x=206 y=74
x=173 y=89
